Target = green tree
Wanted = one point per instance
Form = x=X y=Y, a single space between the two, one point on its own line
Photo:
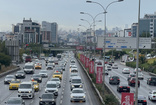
x=5 y=59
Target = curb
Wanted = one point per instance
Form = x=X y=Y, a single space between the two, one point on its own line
x=97 y=91
x=152 y=74
x=10 y=71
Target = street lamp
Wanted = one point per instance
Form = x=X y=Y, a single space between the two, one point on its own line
x=104 y=45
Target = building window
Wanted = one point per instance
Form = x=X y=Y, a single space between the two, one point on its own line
x=151 y=20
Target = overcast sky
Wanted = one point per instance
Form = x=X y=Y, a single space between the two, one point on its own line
x=67 y=12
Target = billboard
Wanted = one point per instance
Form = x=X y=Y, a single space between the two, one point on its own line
x=127 y=98
x=99 y=74
x=91 y=67
x=123 y=42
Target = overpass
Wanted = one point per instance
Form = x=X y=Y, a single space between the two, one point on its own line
x=60 y=49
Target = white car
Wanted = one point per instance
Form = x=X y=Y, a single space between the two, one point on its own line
x=126 y=71
x=43 y=73
x=78 y=94
x=152 y=95
x=57 y=80
x=72 y=64
x=140 y=75
x=115 y=66
x=51 y=87
x=139 y=70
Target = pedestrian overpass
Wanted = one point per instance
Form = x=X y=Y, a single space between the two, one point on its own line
x=60 y=49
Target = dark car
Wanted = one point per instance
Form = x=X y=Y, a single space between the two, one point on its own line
x=151 y=80
x=130 y=76
x=123 y=88
x=36 y=77
x=114 y=80
x=20 y=74
x=132 y=81
x=141 y=100
x=9 y=78
x=47 y=99
x=57 y=68
x=15 y=101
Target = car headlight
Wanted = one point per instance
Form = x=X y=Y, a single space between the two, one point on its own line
x=22 y=74
x=72 y=85
x=30 y=91
x=16 y=74
x=31 y=78
x=36 y=86
x=53 y=100
x=19 y=91
x=46 y=90
x=39 y=78
x=40 y=99
x=84 y=96
x=56 y=90
x=80 y=86
x=71 y=96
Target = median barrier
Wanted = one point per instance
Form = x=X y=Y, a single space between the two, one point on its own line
x=97 y=91
x=10 y=71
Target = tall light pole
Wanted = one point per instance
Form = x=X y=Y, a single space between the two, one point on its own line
x=137 y=60
x=105 y=12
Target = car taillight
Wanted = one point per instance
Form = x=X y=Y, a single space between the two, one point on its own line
x=150 y=79
x=153 y=96
x=120 y=86
x=111 y=78
x=144 y=101
x=118 y=79
x=132 y=81
x=128 y=87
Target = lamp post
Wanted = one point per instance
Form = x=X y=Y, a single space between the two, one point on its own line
x=105 y=11
x=137 y=60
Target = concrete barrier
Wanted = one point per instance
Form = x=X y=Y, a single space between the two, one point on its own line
x=97 y=91
x=10 y=71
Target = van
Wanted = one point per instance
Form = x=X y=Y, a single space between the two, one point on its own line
x=28 y=59
x=29 y=68
x=26 y=90
x=52 y=87
x=76 y=82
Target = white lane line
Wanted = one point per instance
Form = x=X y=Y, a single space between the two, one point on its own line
x=62 y=93
x=61 y=97
x=61 y=102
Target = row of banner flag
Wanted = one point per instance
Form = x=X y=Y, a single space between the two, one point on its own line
x=90 y=64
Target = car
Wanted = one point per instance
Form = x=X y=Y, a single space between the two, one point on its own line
x=108 y=67
x=57 y=68
x=72 y=61
x=72 y=64
x=26 y=90
x=114 y=80
x=47 y=99
x=152 y=95
x=28 y=59
x=126 y=71
x=14 y=84
x=140 y=75
x=51 y=87
x=9 y=78
x=57 y=80
x=20 y=74
x=29 y=68
x=78 y=94
x=141 y=100
x=62 y=67
x=74 y=70
x=106 y=72
x=110 y=63
x=115 y=66
x=15 y=101
x=57 y=74
x=123 y=88
x=36 y=85
x=72 y=75
x=49 y=66
x=132 y=81
x=43 y=73
x=38 y=65
x=139 y=70
x=76 y=82
x=151 y=80
x=36 y=77
x=130 y=76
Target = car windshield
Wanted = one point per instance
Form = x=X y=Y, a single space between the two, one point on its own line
x=49 y=64
x=73 y=75
x=15 y=81
x=43 y=71
x=154 y=92
x=36 y=75
x=20 y=72
x=28 y=67
x=76 y=80
x=57 y=73
x=25 y=86
x=51 y=86
x=34 y=83
x=141 y=97
x=126 y=68
x=58 y=68
x=77 y=91
x=9 y=76
x=53 y=79
x=47 y=96
x=13 y=101
x=132 y=75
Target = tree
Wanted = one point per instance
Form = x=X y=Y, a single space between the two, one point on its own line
x=5 y=59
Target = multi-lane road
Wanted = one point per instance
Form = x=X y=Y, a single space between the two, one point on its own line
x=64 y=92
x=144 y=89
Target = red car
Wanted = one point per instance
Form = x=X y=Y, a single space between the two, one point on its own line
x=28 y=59
x=131 y=82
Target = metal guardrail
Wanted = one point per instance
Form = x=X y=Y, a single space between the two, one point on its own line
x=10 y=71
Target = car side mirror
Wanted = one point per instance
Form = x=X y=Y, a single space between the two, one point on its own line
x=40 y=97
x=85 y=92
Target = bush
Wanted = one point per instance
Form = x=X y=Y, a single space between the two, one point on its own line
x=131 y=64
x=110 y=100
x=5 y=59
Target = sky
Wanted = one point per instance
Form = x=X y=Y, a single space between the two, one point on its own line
x=67 y=12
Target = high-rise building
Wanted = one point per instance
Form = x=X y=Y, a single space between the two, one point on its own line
x=49 y=32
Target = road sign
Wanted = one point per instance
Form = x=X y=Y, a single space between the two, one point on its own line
x=127 y=98
x=123 y=43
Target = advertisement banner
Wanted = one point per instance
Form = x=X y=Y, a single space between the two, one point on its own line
x=91 y=67
x=79 y=47
x=99 y=74
x=127 y=98
x=87 y=62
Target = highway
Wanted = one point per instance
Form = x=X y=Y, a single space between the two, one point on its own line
x=144 y=89
x=64 y=92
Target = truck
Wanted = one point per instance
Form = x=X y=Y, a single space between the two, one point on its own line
x=42 y=56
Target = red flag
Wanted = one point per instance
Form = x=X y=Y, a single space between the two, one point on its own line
x=87 y=62
x=127 y=98
x=99 y=74
x=91 y=67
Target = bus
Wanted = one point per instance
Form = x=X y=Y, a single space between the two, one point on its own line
x=59 y=56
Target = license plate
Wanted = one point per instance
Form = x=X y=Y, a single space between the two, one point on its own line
x=24 y=94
